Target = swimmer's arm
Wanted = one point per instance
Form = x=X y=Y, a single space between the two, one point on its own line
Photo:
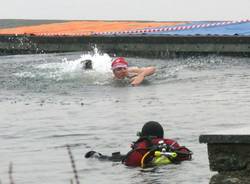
x=141 y=73
x=146 y=71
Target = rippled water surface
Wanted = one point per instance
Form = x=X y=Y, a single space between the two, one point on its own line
x=48 y=101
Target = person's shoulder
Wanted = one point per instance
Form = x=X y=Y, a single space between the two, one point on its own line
x=132 y=72
x=170 y=141
x=141 y=69
x=133 y=69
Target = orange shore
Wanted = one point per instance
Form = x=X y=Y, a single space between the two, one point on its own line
x=85 y=27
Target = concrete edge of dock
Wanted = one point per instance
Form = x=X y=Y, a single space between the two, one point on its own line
x=152 y=46
x=228 y=154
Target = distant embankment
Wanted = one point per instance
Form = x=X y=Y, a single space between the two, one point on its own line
x=127 y=38
x=13 y=23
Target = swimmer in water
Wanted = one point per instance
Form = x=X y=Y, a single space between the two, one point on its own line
x=136 y=75
x=87 y=64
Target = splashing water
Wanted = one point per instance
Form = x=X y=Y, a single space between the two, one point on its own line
x=55 y=72
x=100 y=62
x=61 y=69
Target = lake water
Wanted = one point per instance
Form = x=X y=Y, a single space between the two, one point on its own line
x=47 y=101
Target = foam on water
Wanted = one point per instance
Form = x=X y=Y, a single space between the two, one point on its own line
x=101 y=63
x=68 y=69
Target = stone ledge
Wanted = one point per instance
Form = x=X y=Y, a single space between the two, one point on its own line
x=236 y=177
x=224 y=139
x=229 y=154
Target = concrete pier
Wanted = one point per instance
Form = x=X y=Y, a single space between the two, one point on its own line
x=152 y=46
x=229 y=155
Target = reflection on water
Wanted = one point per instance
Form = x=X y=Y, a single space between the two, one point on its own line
x=48 y=101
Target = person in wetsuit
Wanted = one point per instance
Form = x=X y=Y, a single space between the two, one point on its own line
x=143 y=153
x=136 y=75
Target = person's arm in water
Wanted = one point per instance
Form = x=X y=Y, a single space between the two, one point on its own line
x=115 y=157
x=141 y=74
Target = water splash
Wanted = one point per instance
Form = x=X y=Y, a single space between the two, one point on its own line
x=101 y=63
x=60 y=72
x=64 y=68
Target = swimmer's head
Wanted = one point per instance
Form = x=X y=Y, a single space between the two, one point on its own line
x=120 y=68
x=87 y=64
x=152 y=128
